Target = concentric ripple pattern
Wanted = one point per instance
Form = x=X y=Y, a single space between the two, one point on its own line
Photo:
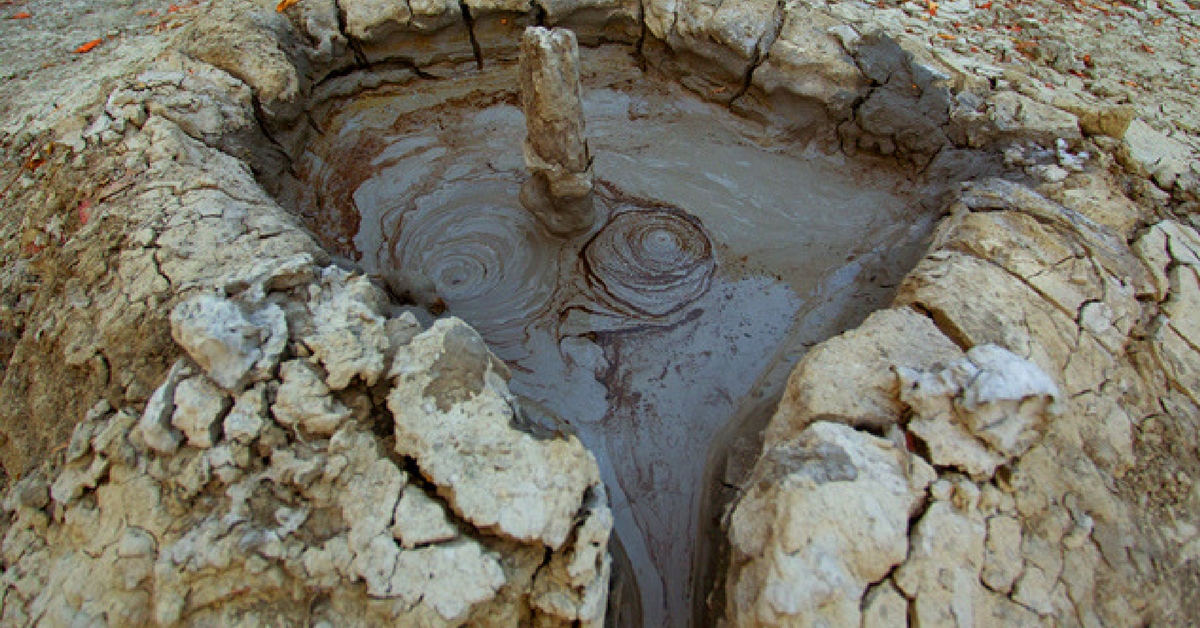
x=650 y=263
x=486 y=257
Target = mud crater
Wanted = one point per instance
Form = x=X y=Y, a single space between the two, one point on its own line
x=663 y=337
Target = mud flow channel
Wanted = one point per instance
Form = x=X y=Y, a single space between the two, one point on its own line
x=719 y=254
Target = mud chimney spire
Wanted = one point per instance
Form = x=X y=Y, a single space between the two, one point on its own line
x=559 y=192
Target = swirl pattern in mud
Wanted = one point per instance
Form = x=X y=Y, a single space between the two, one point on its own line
x=650 y=263
x=486 y=257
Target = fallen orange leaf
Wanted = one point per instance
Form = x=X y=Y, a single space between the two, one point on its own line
x=284 y=4
x=1147 y=49
x=947 y=36
x=88 y=46
x=21 y=16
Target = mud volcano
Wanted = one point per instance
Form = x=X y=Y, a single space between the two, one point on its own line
x=721 y=250
x=207 y=419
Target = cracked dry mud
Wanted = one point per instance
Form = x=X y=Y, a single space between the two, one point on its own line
x=887 y=317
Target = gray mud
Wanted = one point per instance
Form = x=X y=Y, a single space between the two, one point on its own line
x=720 y=254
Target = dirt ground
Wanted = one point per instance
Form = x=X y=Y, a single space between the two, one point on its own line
x=59 y=60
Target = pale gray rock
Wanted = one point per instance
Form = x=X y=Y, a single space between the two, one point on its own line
x=249 y=415
x=451 y=578
x=400 y=331
x=810 y=62
x=1099 y=118
x=573 y=586
x=1183 y=307
x=155 y=424
x=1034 y=590
x=231 y=346
x=349 y=334
x=31 y=491
x=826 y=516
x=584 y=15
x=199 y=407
x=1152 y=249
x=112 y=439
x=367 y=20
x=851 y=379
x=421 y=520
x=76 y=478
x=376 y=22
x=1177 y=358
x=1157 y=155
x=981 y=411
x=942 y=573
x=885 y=607
x=960 y=291
x=1055 y=266
x=1002 y=555
x=136 y=542
x=454 y=416
x=304 y=401
x=493 y=6
x=1016 y=116
x=724 y=38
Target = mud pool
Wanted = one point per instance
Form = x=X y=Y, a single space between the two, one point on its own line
x=720 y=253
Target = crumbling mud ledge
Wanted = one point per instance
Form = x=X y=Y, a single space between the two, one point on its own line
x=1021 y=418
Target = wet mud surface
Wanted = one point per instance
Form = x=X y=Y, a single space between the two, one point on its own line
x=720 y=253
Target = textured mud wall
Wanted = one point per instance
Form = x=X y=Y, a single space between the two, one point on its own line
x=1015 y=436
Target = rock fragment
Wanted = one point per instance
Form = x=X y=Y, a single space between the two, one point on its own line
x=199 y=407
x=850 y=378
x=304 y=401
x=1161 y=157
x=1017 y=116
x=420 y=520
x=981 y=411
x=155 y=425
x=248 y=416
x=350 y=335
x=233 y=347
x=454 y=416
x=826 y=515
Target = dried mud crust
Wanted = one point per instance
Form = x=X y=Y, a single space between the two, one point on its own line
x=1018 y=428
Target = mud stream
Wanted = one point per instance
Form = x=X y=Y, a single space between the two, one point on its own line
x=720 y=254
